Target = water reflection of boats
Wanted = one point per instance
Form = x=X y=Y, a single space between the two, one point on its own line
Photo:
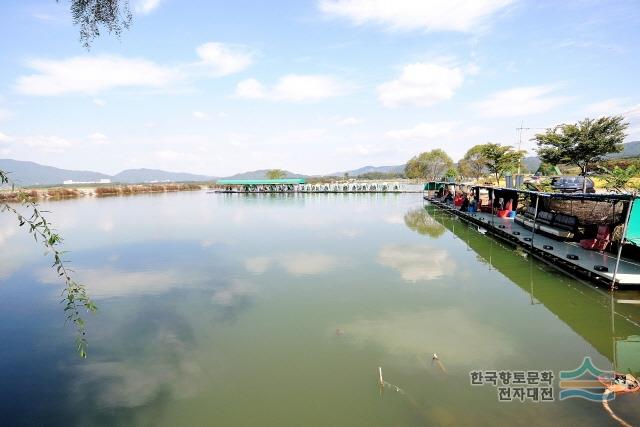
x=619 y=383
x=611 y=327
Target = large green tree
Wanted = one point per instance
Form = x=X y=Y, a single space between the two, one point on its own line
x=582 y=144
x=500 y=159
x=429 y=165
x=474 y=163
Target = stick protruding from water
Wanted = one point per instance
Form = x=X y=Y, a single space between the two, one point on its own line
x=380 y=376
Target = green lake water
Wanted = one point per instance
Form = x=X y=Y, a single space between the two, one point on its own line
x=277 y=310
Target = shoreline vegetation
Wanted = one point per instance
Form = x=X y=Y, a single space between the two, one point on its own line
x=60 y=193
x=112 y=190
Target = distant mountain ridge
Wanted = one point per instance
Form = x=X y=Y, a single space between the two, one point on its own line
x=262 y=174
x=30 y=173
x=147 y=175
x=26 y=173
x=370 y=169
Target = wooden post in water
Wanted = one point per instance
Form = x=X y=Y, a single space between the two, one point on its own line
x=380 y=375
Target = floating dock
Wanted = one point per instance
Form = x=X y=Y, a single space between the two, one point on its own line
x=570 y=257
x=299 y=185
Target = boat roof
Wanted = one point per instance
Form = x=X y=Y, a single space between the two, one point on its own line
x=261 y=181
x=597 y=197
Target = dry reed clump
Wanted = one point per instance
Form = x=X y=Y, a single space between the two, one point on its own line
x=63 y=192
x=107 y=191
x=15 y=196
x=144 y=188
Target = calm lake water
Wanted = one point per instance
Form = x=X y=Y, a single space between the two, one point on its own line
x=277 y=310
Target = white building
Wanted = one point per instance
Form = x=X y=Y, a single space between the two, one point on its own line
x=72 y=182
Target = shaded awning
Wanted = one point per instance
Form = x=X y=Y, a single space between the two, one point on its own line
x=282 y=181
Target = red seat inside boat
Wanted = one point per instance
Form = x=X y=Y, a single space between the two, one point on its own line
x=600 y=243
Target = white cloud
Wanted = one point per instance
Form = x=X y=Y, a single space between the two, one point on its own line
x=428 y=15
x=98 y=138
x=51 y=144
x=170 y=154
x=619 y=106
x=422 y=85
x=96 y=74
x=349 y=121
x=293 y=87
x=4 y=137
x=200 y=115
x=99 y=102
x=250 y=88
x=223 y=59
x=614 y=106
x=92 y=74
x=146 y=6
x=364 y=150
x=521 y=101
x=424 y=131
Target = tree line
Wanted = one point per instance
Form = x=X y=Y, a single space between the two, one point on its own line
x=584 y=144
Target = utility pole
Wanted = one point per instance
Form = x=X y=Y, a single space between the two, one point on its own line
x=519 y=130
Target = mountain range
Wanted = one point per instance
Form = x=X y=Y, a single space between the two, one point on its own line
x=370 y=169
x=26 y=173
x=30 y=173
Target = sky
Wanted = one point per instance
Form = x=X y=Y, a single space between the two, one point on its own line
x=311 y=86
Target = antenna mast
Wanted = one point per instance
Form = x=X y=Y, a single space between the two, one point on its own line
x=519 y=130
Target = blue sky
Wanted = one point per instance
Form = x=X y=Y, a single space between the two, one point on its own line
x=314 y=87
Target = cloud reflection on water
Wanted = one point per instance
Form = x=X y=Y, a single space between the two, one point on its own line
x=230 y=295
x=296 y=264
x=15 y=249
x=417 y=262
x=151 y=357
x=109 y=282
x=449 y=332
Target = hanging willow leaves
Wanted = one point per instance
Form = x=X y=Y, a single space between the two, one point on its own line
x=75 y=297
x=93 y=15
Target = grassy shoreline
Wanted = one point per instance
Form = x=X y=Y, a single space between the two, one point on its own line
x=58 y=193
